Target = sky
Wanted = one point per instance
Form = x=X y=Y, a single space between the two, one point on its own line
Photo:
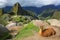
x=36 y=3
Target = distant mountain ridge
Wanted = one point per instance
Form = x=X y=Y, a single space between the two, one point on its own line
x=47 y=11
x=35 y=9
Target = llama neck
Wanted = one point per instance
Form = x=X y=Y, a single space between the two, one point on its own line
x=41 y=31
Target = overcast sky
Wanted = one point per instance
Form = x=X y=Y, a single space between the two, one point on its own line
x=37 y=3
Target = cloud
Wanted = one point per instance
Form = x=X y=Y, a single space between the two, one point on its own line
x=3 y=3
x=12 y=2
x=37 y=3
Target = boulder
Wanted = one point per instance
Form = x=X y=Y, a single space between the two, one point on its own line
x=54 y=22
x=14 y=30
x=3 y=31
x=10 y=25
x=39 y=23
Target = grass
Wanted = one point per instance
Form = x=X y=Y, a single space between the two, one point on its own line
x=27 y=31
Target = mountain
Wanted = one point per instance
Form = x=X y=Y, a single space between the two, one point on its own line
x=47 y=11
x=56 y=14
x=18 y=10
x=7 y=9
x=50 y=13
x=31 y=8
x=1 y=11
x=37 y=10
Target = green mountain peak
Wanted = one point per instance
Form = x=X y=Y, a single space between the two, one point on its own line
x=16 y=8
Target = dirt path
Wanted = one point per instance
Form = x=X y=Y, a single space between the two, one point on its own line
x=37 y=37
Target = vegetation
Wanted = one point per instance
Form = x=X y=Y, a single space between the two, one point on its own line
x=17 y=10
x=16 y=19
x=30 y=13
x=56 y=14
x=1 y=12
x=21 y=17
x=46 y=14
x=3 y=21
x=27 y=31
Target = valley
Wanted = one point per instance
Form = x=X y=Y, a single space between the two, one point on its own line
x=21 y=23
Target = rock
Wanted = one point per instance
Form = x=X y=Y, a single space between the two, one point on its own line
x=3 y=31
x=54 y=22
x=39 y=23
x=10 y=25
x=14 y=30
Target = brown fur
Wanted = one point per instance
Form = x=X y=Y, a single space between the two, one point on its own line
x=48 y=32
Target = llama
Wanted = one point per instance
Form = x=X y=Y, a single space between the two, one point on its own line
x=46 y=32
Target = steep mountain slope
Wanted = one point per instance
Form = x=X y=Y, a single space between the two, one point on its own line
x=18 y=10
x=38 y=10
x=1 y=11
x=56 y=14
x=7 y=9
x=48 y=13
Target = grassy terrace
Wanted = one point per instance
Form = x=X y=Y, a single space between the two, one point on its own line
x=27 y=31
